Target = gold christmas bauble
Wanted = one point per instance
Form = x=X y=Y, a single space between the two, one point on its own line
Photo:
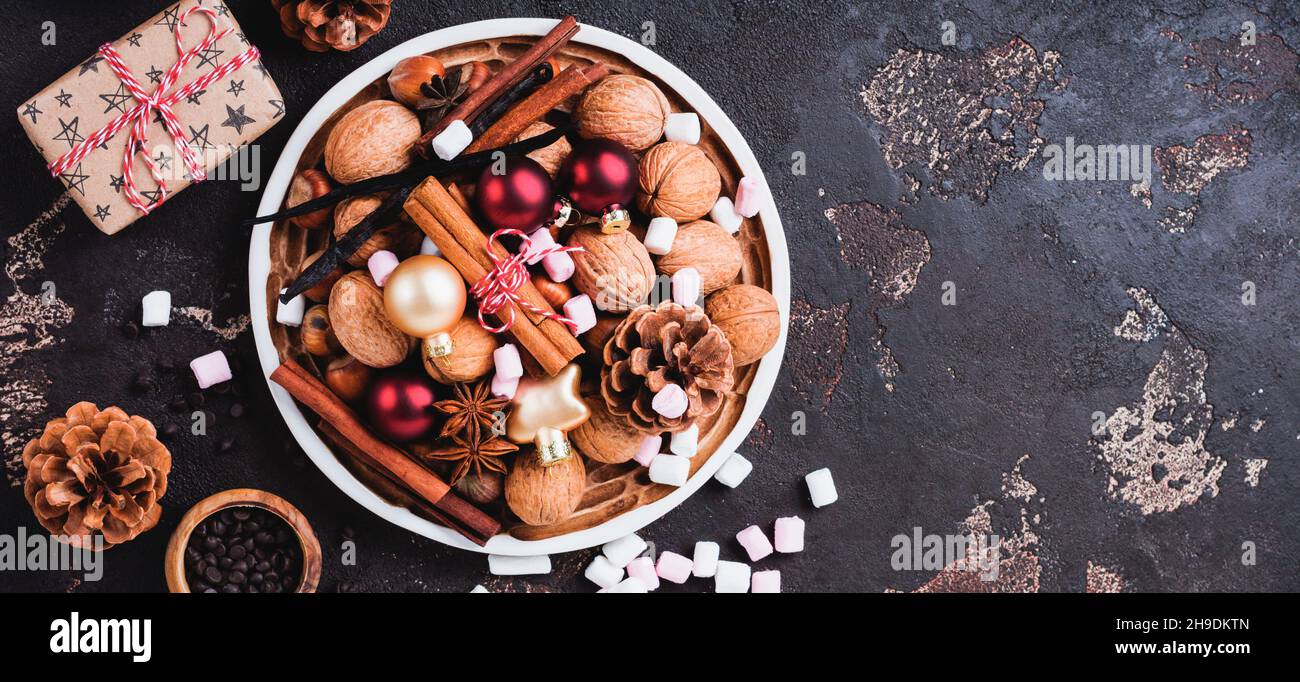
x=424 y=296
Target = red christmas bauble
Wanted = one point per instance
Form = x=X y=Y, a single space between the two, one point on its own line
x=598 y=174
x=520 y=198
x=400 y=406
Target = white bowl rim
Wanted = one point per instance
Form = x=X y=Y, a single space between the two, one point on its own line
x=259 y=269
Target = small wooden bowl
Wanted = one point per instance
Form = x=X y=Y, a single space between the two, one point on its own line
x=243 y=497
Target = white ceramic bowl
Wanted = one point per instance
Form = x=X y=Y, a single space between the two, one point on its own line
x=259 y=267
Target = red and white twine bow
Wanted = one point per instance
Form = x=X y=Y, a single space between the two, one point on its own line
x=139 y=116
x=500 y=287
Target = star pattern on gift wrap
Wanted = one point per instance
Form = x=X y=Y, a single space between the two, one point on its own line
x=68 y=132
x=31 y=110
x=134 y=39
x=236 y=88
x=116 y=182
x=75 y=179
x=235 y=118
x=169 y=18
x=261 y=68
x=209 y=57
x=151 y=195
x=91 y=64
x=222 y=10
x=64 y=98
x=279 y=107
x=163 y=161
x=242 y=38
x=200 y=137
x=117 y=100
x=102 y=212
x=154 y=74
x=193 y=98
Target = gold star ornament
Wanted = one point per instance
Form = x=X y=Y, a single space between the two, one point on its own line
x=544 y=410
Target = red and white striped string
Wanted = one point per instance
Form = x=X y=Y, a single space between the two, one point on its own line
x=139 y=116
x=500 y=287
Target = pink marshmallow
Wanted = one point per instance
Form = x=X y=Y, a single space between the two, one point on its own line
x=789 y=534
x=749 y=197
x=644 y=569
x=674 y=567
x=541 y=240
x=686 y=287
x=581 y=311
x=765 y=582
x=382 y=264
x=755 y=542
x=559 y=266
x=670 y=401
x=504 y=388
x=211 y=369
x=648 y=450
x=507 y=362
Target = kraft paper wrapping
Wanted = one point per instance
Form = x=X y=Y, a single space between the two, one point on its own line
x=228 y=114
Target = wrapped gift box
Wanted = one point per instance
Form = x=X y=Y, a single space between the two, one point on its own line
x=215 y=120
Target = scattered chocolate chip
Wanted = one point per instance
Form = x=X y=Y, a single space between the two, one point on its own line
x=169 y=431
x=237 y=410
x=177 y=404
x=348 y=533
x=166 y=365
x=143 y=381
x=131 y=330
x=227 y=444
x=195 y=400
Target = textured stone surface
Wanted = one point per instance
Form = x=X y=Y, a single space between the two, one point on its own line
x=974 y=417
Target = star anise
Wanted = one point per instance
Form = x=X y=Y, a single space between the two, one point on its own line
x=472 y=412
x=443 y=93
x=482 y=454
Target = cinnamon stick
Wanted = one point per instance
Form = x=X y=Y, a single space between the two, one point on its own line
x=443 y=219
x=513 y=72
x=570 y=82
x=450 y=511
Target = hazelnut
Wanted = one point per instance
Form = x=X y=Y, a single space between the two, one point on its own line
x=317 y=335
x=749 y=318
x=677 y=181
x=614 y=269
x=374 y=139
x=406 y=79
x=399 y=238
x=361 y=325
x=348 y=378
x=605 y=437
x=627 y=109
x=479 y=73
x=552 y=156
x=481 y=488
x=555 y=293
x=541 y=495
x=307 y=185
x=594 y=339
x=709 y=249
x=472 y=358
x=321 y=291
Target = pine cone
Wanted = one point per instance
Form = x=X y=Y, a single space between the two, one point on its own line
x=656 y=346
x=340 y=24
x=96 y=472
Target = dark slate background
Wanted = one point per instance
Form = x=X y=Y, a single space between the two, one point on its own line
x=1016 y=368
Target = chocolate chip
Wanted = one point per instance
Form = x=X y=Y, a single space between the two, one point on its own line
x=130 y=330
x=195 y=400
x=169 y=431
x=227 y=444
x=177 y=404
x=237 y=410
x=143 y=381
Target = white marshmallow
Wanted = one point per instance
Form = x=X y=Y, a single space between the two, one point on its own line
x=683 y=128
x=479 y=589
x=453 y=140
x=821 y=487
x=706 y=559
x=670 y=470
x=659 y=235
x=686 y=287
x=731 y=577
x=724 y=214
x=629 y=586
x=686 y=443
x=734 y=470
x=603 y=573
x=428 y=248
x=499 y=564
x=289 y=314
x=622 y=551
x=158 y=309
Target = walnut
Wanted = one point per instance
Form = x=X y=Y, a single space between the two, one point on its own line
x=400 y=238
x=542 y=495
x=627 y=109
x=749 y=317
x=709 y=249
x=614 y=270
x=472 y=359
x=605 y=437
x=552 y=156
x=357 y=315
x=678 y=181
x=372 y=140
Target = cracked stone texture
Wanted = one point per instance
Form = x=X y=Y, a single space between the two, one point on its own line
x=1020 y=365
